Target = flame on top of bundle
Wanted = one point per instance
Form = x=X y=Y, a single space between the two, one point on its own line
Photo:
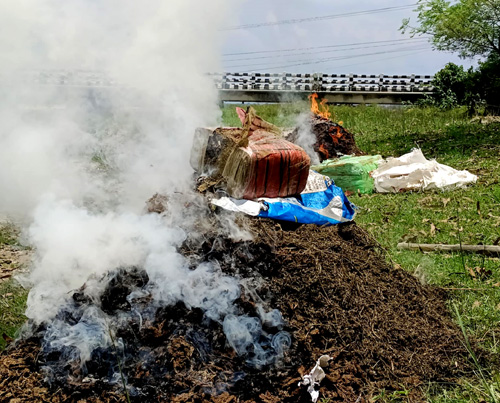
x=320 y=109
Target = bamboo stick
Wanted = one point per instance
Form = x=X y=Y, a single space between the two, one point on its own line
x=430 y=247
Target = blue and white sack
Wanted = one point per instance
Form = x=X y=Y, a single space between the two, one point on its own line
x=321 y=203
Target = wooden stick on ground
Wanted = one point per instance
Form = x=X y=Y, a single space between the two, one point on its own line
x=490 y=250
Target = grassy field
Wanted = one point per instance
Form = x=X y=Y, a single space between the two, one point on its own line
x=468 y=216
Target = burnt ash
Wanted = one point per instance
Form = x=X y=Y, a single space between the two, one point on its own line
x=335 y=290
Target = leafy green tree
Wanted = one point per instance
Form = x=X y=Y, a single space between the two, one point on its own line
x=487 y=82
x=469 y=27
x=450 y=85
x=453 y=86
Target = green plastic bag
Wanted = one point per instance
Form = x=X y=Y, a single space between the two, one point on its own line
x=351 y=173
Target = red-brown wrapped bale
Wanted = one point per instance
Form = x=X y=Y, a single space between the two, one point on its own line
x=268 y=166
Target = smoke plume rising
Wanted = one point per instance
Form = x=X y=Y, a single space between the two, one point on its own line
x=149 y=62
x=100 y=103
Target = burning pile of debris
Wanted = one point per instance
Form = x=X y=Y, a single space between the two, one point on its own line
x=260 y=159
x=319 y=290
x=332 y=140
x=258 y=303
x=260 y=170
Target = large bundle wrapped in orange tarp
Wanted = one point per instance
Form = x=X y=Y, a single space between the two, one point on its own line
x=268 y=166
x=263 y=163
x=254 y=161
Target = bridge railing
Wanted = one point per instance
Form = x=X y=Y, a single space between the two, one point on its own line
x=323 y=82
x=269 y=82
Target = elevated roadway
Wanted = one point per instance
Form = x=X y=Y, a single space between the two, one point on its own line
x=336 y=88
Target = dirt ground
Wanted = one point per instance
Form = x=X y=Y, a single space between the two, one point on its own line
x=336 y=292
x=12 y=257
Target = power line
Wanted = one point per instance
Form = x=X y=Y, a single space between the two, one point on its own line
x=316 y=52
x=385 y=58
x=365 y=62
x=318 y=60
x=319 y=18
x=323 y=47
x=323 y=60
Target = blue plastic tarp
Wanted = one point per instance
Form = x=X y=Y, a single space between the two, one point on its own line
x=321 y=203
x=322 y=207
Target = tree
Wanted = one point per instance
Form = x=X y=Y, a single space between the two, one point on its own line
x=450 y=86
x=453 y=86
x=470 y=27
x=487 y=82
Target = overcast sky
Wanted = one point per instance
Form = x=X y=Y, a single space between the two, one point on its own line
x=401 y=56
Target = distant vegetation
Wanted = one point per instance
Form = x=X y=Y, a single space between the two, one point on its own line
x=471 y=28
x=477 y=89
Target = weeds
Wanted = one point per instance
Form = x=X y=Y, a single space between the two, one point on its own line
x=397 y=396
x=490 y=390
x=8 y=234
x=12 y=306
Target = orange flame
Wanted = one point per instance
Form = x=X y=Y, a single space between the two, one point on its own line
x=335 y=136
x=324 y=151
x=320 y=109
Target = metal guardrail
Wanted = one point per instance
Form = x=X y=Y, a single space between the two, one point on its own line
x=323 y=82
x=316 y=82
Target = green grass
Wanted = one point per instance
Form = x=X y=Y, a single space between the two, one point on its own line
x=12 y=306
x=283 y=115
x=469 y=216
x=12 y=296
x=8 y=234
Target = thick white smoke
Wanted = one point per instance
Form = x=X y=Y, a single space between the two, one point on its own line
x=155 y=54
x=108 y=148
x=306 y=138
x=100 y=100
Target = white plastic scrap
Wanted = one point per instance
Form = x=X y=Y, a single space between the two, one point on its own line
x=413 y=171
x=315 y=377
x=249 y=207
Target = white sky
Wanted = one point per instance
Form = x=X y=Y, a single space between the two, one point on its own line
x=406 y=57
